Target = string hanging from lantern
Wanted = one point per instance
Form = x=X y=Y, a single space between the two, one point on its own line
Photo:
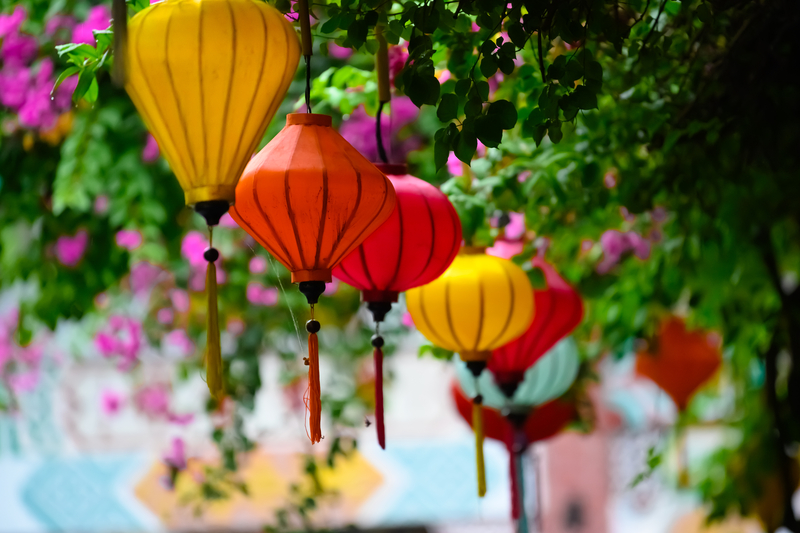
x=207 y=103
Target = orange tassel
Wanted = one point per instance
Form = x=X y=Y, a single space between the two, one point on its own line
x=313 y=403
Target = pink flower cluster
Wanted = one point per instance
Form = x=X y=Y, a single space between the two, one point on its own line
x=359 y=130
x=99 y=19
x=615 y=244
x=153 y=401
x=26 y=85
x=511 y=243
x=123 y=339
x=175 y=460
x=192 y=248
x=20 y=366
x=398 y=55
x=69 y=250
x=258 y=294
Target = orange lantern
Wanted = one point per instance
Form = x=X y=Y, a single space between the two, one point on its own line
x=681 y=360
x=310 y=198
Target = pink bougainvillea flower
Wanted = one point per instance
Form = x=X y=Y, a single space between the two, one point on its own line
x=179 y=341
x=407 y=321
x=398 y=55
x=57 y=23
x=153 y=400
x=627 y=215
x=505 y=249
x=150 y=152
x=111 y=402
x=359 y=130
x=659 y=214
x=99 y=19
x=339 y=52
x=24 y=381
x=258 y=294
x=330 y=288
x=165 y=315
x=515 y=228
x=70 y=250
x=180 y=420
x=10 y=23
x=197 y=279
x=523 y=176
x=258 y=265
x=226 y=221
x=443 y=75
x=143 y=277
x=18 y=50
x=129 y=239
x=639 y=245
x=192 y=248
x=610 y=180
x=616 y=243
x=101 y=204
x=176 y=455
x=14 y=85
x=454 y=165
x=180 y=300
x=655 y=235
x=122 y=338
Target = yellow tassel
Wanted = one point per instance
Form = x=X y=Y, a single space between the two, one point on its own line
x=213 y=353
x=477 y=427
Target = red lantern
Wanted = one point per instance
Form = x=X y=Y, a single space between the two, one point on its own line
x=310 y=198
x=559 y=310
x=413 y=247
x=517 y=431
x=681 y=361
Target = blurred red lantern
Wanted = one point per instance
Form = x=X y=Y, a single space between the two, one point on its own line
x=518 y=430
x=413 y=247
x=680 y=361
x=559 y=310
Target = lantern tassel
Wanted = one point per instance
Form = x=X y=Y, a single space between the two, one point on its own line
x=477 y=426
x=313 y=402
x=213 y=352
x=377 y=355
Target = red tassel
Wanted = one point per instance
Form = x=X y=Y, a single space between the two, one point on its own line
x=377 y=355
x=313 y=402
x=512 y=474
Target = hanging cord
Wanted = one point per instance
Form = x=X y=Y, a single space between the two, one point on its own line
x=384 y=90
x=119 y=14
x=305 y=36
x=477 y=427
x=377 y=356
x=522 y=522
x=213 y=351
x=312 y=397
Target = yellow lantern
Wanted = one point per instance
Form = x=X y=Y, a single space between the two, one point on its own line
x=479 y=304
x=207 y=77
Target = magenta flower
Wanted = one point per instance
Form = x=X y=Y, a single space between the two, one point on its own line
x=99 y=19
x=339 y=52
x=505 y=249
x=143 y=277
x=330 y=288
x=258 y=294
x=151 y=151
x=616 y=243
x=610 y=180
x=359 y=130
x=226 y=221
x=111 y=402
x=70 y=250
x=24 y=381
x=586 y=245
x=639 y=245
x=129 y=239
x=153 y=400
x=192 y=248
x=454 y=165
x=18 y=50
x=407 y=321
x=180 y=300
x=515 y=229
x=627 y=215
x=177 y=341
x=122 y=338
x=398 y=55
x=176 y=456
x=57 y=23
x=101 y=204
x=14 y=85
x=523 y=176
x=10 y=23
x=258 y=265
x=659 y=214
x=165 y=315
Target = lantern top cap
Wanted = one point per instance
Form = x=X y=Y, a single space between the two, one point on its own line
x=308 y=119
x=392 y=169
x=472 y=250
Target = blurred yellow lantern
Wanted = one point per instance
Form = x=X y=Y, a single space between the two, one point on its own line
x=479 y=304
x=207 y=77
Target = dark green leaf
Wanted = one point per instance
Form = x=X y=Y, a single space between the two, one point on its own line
x=554 y=131
x=506 y=113
x=440 y=153
x=357 y=32
x=473 y=107
x=538 y=133
x=517 y=34
x=466 y=145
x=537 y=279
x=462 y=87
x=371 y=18
x=489 y=130
x=584 y=98
x=69 y=71
x=483 y=89
x=331 y=25
x=535 y=118
x=488 y=66
x=506 y=65
x=448 y=108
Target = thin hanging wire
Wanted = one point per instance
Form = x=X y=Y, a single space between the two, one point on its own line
x=308 y=84
x=288 y=305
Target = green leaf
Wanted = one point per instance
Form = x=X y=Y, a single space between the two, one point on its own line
x=482 y=88
x=462 y=87
x=489 y=130
x=488 y=66
x=506 y=112
x=69 y=71
x=537 y=279
x=557 y=69
x=703 y=12
x=473 y=107
x=331 y=25
x=535 y=118
x=441 y=152
x=554 y=131
x=584 y=98
x=466 y=146
x=594 y=71
x=506 y=65
x=591 y=174
x=448 y=108
x=538 y=133
x=371 y=18
x=517 y=34
x=423 y=90
x=357 y=32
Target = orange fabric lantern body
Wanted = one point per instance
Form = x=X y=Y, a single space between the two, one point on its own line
x=310 y=198
x=682 y=362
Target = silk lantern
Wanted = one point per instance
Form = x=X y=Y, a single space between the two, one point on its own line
x=680 y=361
x=549 y=378
x=559 y=310
x=207 y=77
x=310 y=198
x=413 y=247
x=480 y=303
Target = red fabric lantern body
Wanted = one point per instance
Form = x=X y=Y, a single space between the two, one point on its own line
x=413 y=247
x=682 y=361
x=559 y=310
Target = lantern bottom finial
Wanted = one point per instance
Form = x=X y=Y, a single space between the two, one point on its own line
x=476 y=367
x=212 y=210
x=312 y=290
x=379 y=310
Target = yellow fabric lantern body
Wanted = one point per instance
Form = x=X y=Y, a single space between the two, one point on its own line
x=207 y=77
x=480 y=303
